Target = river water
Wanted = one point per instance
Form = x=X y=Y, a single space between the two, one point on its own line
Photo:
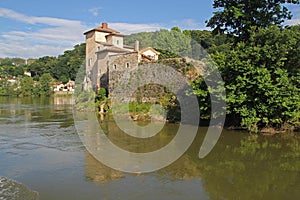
x=40 y=151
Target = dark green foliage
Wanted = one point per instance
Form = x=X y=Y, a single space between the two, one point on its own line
x=206 y=39
x=145 y=39
x=42 y=65
x=12 y=61
x=238 y=17
x=261 y=81
x=9 y=68
x=26 y=86
x=176 y=28
x=11 y=71
x=165 y=54
x=63 y=68
x=64 y=79
x=261 y=78
x=101 y=95
x=138 y=107
x=7 y=88
x=170 y=42
x=45 y=85
x=201 y=91
x=176 y=43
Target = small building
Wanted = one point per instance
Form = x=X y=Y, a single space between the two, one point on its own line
x=60 y=88
x=148 y=54
x=26 y=73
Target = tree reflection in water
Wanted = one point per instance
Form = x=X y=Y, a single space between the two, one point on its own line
x=258 y=168
x=241 y=166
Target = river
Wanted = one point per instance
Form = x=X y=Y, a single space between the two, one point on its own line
x=40 y=149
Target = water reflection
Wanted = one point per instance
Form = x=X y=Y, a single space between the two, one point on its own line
x=99 y=173
x=257 y=168
x=241 y=166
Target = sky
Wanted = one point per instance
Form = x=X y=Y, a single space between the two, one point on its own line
x=36 y=28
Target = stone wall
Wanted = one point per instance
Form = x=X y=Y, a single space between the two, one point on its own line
x=117 y=65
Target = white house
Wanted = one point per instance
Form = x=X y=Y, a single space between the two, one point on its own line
x=149 y=53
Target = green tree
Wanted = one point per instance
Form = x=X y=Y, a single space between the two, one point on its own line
x=101 y=95
x=145 y=39
x=45 y=85
x=165 y=54
x=65 y=65
x=176 y=28
x=261 y=81
x=172 y=41
x=42 y=65
x=64 y=79
x=7 y=88
x=26 y=86
x=238 y=17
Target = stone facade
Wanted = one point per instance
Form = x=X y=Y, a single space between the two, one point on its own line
x=107 y=58
x=118 y=64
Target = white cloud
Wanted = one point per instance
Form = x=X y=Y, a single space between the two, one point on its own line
x=95 y=11
x=293 y=22
x=296 y=17
x=58 y=35
x=61 y=34
x=189 y=24
x=28 y=50
x=127 y=28
x=37 y=20
x=54 y=38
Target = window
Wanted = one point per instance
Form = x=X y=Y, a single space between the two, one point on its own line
x=118 y=42
x=127 y=65
x=115 y=66
x=90 y=61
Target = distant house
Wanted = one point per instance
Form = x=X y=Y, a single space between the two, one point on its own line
x=27 y=73
x=12 y=80
x=148 y=54
x=107 y=58
x=60 y=88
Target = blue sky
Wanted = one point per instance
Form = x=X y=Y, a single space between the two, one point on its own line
x=35 y=28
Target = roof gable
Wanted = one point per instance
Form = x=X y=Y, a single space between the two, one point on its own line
x=149 y=49
x=103 y=28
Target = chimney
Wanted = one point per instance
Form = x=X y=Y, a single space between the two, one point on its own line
x=137 y=46
x=104 y=25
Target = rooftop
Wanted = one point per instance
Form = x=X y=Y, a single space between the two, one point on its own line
x=104 y=28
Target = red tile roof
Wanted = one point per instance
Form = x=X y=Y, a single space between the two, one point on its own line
x=103 y=28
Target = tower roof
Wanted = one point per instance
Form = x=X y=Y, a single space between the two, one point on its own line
x=103 y=28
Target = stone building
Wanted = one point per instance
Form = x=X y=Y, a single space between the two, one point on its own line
x=107 y=57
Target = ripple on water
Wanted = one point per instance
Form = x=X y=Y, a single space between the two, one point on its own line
x=11 y=190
